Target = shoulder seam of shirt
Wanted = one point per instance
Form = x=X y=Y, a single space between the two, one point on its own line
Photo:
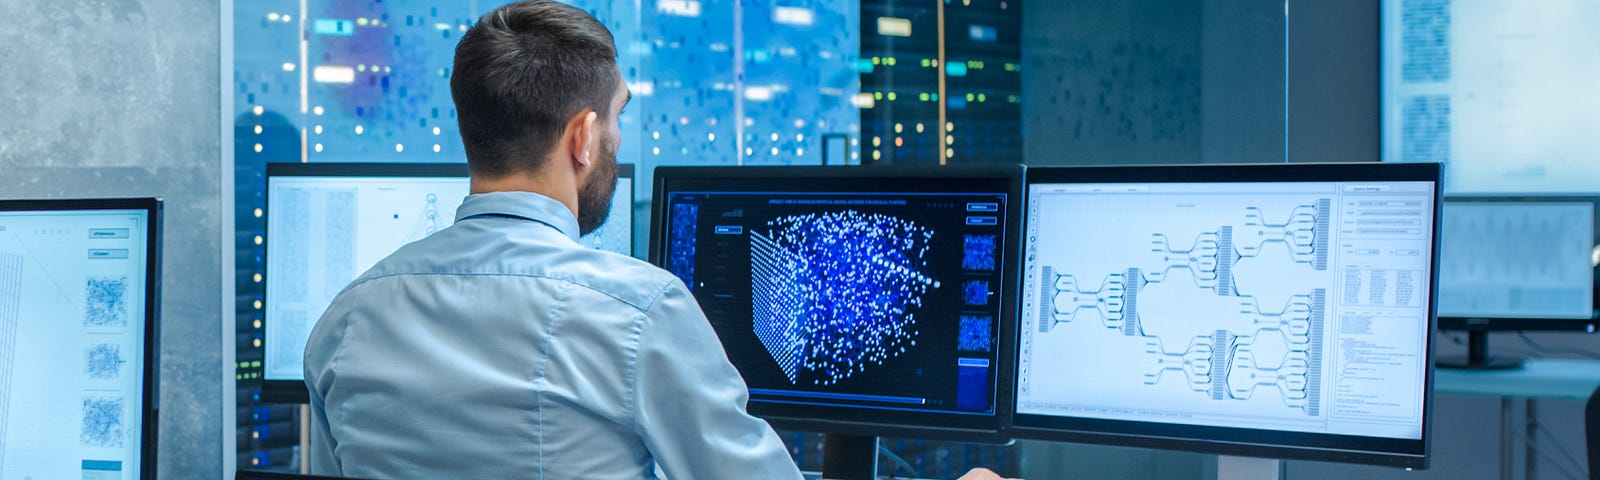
x=645 y=321
x=647 y=303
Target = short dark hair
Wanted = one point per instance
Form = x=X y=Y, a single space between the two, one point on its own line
x=520 y=74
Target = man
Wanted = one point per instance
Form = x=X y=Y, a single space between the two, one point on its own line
x=501 y=348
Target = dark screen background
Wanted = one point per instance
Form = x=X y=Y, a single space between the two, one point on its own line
x=721 y=282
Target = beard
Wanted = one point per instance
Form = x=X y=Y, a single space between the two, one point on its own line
x=594 y=197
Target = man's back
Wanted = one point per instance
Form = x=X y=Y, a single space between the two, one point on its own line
x=501 y=348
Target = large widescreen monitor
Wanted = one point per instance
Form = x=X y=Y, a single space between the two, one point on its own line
x=854 y=300
x=1515 y=263
x=79 y=304
x=329 y=223
x=1280 y=311
x=1502 y=91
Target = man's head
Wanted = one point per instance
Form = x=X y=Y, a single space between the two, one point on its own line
x=537 y=94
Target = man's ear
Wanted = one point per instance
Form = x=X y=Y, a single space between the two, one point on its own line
x=583 y=136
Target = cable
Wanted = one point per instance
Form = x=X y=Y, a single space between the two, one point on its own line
x=900 y=463
x=1568 y=351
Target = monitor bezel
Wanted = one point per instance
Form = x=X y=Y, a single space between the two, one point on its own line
x=1509 y=323
x=1401 y=453
x=296 y=391
x=150 y=393
x=875 y=422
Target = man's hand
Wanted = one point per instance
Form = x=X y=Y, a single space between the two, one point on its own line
x=982 y=474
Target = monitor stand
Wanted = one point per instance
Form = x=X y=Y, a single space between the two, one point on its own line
x=1248 y=468
x=849 y=457
x=1478 y=353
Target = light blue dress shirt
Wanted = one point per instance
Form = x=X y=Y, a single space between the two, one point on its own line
x=501 y=348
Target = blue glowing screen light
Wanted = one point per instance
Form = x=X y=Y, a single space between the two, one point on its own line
x=836 y=293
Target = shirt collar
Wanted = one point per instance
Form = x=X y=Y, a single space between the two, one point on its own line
x=527 y=205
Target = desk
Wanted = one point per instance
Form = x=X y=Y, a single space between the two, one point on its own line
x=1537 y=379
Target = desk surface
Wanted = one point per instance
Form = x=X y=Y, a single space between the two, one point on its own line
x=1538 y=378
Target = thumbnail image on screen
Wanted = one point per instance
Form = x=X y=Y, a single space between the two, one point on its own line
x=873 y=300
x=72 y=339
x=1510 y=259
x=1298 y=307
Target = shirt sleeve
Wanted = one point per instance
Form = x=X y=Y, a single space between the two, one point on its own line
x=690 y=402
x=320 y=458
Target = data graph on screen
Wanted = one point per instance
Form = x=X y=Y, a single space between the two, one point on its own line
x=72 y=339
x=1284 y=306
x=1511 y=259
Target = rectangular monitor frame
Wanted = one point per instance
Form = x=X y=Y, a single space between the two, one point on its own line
x=1491 y=323
x=149 y=415
x=296 y=392
x=871 y=422
x=1238 y=441
x=292 y=391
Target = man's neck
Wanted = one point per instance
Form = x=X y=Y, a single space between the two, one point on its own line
x=540 y=183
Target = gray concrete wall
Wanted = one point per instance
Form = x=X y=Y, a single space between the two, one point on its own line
x=120 y=98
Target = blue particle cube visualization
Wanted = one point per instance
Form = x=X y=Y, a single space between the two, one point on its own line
x=836 y=293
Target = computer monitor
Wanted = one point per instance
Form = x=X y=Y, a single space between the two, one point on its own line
x=1492 y=89
x=1280 y=311
x=327 y=223
x=855 y=300
x=79 y=307
x=1515 y=263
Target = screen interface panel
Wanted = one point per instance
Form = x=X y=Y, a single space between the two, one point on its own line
x=72 y=343
x=324 y=232
x=859 y=299
x=1299 y=307
x=1516 y=260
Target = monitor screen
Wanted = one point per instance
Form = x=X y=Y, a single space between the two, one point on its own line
x=323 y=232
x=1270 y=300
x=76 y=334
x=850 y=295
x=329 y=223
x=1517 y=258
x=1499 y=90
